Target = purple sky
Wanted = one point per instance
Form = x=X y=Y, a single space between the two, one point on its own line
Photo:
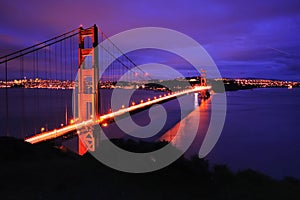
x=246 y=39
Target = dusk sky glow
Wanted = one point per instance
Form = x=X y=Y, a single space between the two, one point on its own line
x=246 y=39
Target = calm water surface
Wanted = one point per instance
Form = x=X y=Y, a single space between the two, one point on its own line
x=261 y=131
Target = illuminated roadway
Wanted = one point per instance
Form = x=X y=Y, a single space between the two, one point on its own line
x=49 y=135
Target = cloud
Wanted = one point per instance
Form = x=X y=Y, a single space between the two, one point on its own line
x=232 y=31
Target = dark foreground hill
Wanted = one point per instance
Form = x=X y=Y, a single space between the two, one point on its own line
x=42 y=172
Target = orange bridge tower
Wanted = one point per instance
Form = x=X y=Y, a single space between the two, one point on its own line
x=86 y=95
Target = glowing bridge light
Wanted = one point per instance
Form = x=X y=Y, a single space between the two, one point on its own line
x=133 y=103
x=142 y=101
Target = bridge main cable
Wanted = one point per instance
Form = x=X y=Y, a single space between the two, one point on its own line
x=122 y=53
x=38 y=46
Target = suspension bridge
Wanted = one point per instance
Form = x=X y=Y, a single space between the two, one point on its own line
x=35 y=81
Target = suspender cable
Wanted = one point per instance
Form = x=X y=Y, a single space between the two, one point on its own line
x=123 y=54
x=6 y=98
x=38 y=83
x=71 y=59
x=61 y=61
x=39 y=44
x=45 y=65
x=55 y=57
x=49 y=62
x=65 y=58
x=22 y=96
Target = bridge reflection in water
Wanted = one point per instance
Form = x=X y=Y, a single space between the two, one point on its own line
x=180 y=134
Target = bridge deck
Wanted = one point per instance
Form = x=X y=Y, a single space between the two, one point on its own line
x=49 y=135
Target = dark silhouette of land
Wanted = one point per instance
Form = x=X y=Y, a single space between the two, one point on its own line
x=44 y=172
x=229 y=86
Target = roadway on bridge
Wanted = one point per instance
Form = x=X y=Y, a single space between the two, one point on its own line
x=50 y=135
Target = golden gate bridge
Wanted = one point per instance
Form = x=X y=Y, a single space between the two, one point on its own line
x=55 y=64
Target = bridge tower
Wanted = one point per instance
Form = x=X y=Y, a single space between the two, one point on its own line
x=203 y=78
x=86 y=97
x=204 y=94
